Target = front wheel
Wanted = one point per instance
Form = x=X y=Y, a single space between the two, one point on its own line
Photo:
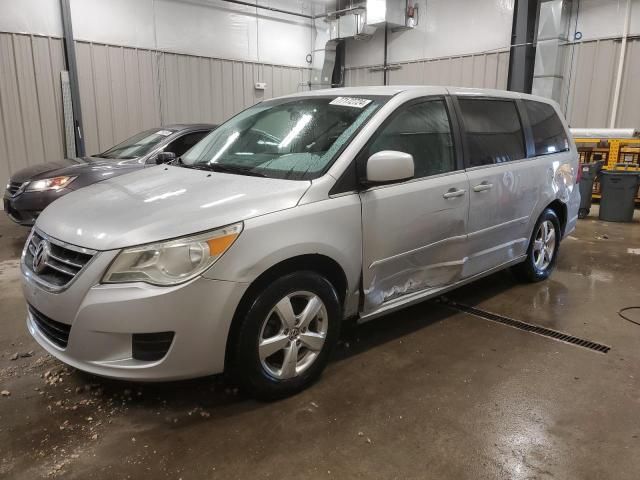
x=287 y=335
x=543 y=249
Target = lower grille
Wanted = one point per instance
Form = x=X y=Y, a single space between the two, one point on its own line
x=56 y=332
x=151 y=346
x=54 y=263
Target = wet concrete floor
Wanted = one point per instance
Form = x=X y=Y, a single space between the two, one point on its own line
x=428 y=392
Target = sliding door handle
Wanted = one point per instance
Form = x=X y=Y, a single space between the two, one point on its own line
x=483 y=187
x=453 y=193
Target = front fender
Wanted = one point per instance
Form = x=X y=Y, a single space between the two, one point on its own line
x=330 y=227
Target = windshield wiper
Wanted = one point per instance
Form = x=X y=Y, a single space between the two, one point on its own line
x=216 y=167
x=194 y=167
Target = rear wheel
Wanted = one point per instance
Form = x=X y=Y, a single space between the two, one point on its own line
x=287 y=335
x=583 y=212
x=543 y=249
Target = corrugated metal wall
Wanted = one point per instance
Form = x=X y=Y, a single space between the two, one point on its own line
x=484 y=70
x=31 y=125
x=124 y=90
x=589 y=83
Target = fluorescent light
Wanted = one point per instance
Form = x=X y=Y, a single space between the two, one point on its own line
x=302 y=122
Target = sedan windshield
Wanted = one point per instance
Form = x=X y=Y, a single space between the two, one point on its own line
x=138 y=145
x=294 y=138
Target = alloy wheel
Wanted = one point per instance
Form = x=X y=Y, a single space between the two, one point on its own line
x=544 y=245
x=293 y=334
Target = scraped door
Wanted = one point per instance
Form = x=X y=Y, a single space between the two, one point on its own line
x=414 y=232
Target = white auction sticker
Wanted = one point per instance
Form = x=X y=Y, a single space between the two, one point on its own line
x=164 y=133
x=350 y=102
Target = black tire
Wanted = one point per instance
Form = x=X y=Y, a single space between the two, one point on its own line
x=529 y=270
x=583 y=212
x=247 y=367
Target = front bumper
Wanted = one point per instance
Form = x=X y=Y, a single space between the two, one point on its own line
x=25 y=207
x=103 y=319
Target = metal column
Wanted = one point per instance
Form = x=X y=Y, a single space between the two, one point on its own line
x=70 y=59
x=523 y=51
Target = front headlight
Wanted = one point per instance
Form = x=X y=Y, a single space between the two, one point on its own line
x=54 y=183
x=173 y=261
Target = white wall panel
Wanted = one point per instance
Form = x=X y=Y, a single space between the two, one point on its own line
x=209 y=28
x=116 y=22
x=605 y=18
x=34 y=17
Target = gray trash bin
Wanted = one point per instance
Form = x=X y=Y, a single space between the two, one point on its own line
x=618 y=195
x=589 y=172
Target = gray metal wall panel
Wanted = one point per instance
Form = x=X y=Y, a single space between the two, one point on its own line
x=47 y=86
x=629 y=110
x=87 y=98
x=102 y=92
x=485 y=70
x=30 y=101
x=503 y=70
x=190 y=88
x=218 y=92
x=132 y=86
x=13 y=150
x=589 y=83
x=120 y=119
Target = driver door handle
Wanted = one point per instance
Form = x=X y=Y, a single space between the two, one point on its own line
x=452 y=193
x=483 y=187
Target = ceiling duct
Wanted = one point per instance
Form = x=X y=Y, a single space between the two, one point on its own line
x=359 y=21
x=551 y=48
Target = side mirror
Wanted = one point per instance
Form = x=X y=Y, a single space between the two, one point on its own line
x=389 y=166
x=165 y=157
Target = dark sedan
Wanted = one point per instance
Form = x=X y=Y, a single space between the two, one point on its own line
x=30 y=190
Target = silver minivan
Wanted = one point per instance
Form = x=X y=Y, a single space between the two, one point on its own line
x=247 y=253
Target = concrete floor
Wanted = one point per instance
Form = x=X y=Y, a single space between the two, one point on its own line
x=424 y=393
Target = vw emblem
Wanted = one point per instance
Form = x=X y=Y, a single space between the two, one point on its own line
x=40 y=257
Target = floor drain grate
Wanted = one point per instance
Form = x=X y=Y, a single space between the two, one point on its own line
x=528 y=327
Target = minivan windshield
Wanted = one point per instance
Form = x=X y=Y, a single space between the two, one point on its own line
x=138 y=145
x=291 y=138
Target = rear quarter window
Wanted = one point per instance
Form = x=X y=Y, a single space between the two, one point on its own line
x=547 y=130
x=493 y=131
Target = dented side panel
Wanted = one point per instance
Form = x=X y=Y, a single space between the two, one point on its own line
x=413 y=238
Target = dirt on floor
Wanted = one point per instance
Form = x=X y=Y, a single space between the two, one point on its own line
x=428 y=392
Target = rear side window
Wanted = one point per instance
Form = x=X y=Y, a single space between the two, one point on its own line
x=424 y=131
x=547 y=130
x=185 y=142
x=494 y=132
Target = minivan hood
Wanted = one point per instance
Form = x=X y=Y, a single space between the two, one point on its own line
x=71 y=166
x=160 y=203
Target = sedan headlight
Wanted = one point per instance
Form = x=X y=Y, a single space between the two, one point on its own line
x=54 y=183
x=173 y=261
